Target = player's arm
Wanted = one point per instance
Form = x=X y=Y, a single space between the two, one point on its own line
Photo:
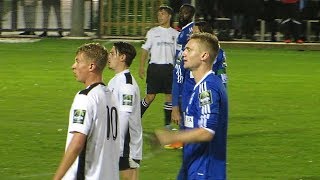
x=127 y=97
x=185 y=136
x=175 y=114
x=145 y=48
x=143 y=59
x=221 y=60
x=75 y=147
x=205 y=132
x=177 y=81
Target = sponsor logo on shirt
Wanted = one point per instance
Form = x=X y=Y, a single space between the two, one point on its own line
x=78 y=116
x=188 y=121
x=165 y=44
x=205 y=98
x=127 y=99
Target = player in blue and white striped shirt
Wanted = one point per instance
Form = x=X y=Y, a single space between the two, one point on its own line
x=183 y=83
x=206 y=119
x=186 y=14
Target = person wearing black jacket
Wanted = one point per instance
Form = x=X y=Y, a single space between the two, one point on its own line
x=291 y=22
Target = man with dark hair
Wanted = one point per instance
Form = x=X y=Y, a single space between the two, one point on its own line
x=161 y=43
x=204 y=132
x=186 y=15
x=92 y=148
x=126 y=90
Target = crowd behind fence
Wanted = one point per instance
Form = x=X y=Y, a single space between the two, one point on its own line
x=12 y=13
x=132 y=18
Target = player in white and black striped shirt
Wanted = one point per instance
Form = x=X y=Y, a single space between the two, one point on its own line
x=92 y=148
x=126 y=90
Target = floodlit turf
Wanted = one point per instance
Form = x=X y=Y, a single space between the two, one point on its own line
x=274 y=123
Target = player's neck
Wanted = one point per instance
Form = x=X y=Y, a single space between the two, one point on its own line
x=120 y=68
x=200 y=72
x=185 y=24
x=93 y=79
x=166 y=25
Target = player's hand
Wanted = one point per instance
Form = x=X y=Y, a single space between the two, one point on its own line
x=164 y=136
x=175 y=115
x=141 y=72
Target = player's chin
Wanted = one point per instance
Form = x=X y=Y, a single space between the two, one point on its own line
x=76 y=77
x=185 y=65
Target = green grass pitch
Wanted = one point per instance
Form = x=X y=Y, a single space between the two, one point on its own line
x=274 y=120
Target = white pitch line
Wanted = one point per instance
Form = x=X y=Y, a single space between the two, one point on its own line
x=32 y=175
x=18 y=40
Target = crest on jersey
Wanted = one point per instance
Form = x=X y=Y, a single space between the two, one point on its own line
x=78 y=116
x=205 y=98
x=178 y=61
x=127 y=99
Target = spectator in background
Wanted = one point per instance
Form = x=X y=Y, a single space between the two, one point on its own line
x=269 y=16
x=237 y=18
x=1 y=11
x=291 y=22
x=250 y=17
x=318 y=26
x=207 y=10
x=46 y=5
x=29 y=7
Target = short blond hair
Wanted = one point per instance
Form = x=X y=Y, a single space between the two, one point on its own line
x=209 y=42
x=95 y=52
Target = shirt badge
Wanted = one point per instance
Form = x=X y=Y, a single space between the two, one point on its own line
x=205 y=98
x=78 y=116
x=127 y=99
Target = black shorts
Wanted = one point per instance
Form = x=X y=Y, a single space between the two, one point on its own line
x=124 y=163
x=159 y=78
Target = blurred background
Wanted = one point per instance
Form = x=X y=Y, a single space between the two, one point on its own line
x=241 y=20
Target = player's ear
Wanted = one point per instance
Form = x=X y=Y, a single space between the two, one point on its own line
x=205 y=55
x=123 y=57
x=92 y=66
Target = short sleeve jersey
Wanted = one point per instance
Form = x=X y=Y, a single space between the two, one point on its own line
x=94 y=113
x=208 y=109
x=161 y=43
x=126 y=91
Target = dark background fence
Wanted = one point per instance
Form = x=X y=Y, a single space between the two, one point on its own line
x=132 y=18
